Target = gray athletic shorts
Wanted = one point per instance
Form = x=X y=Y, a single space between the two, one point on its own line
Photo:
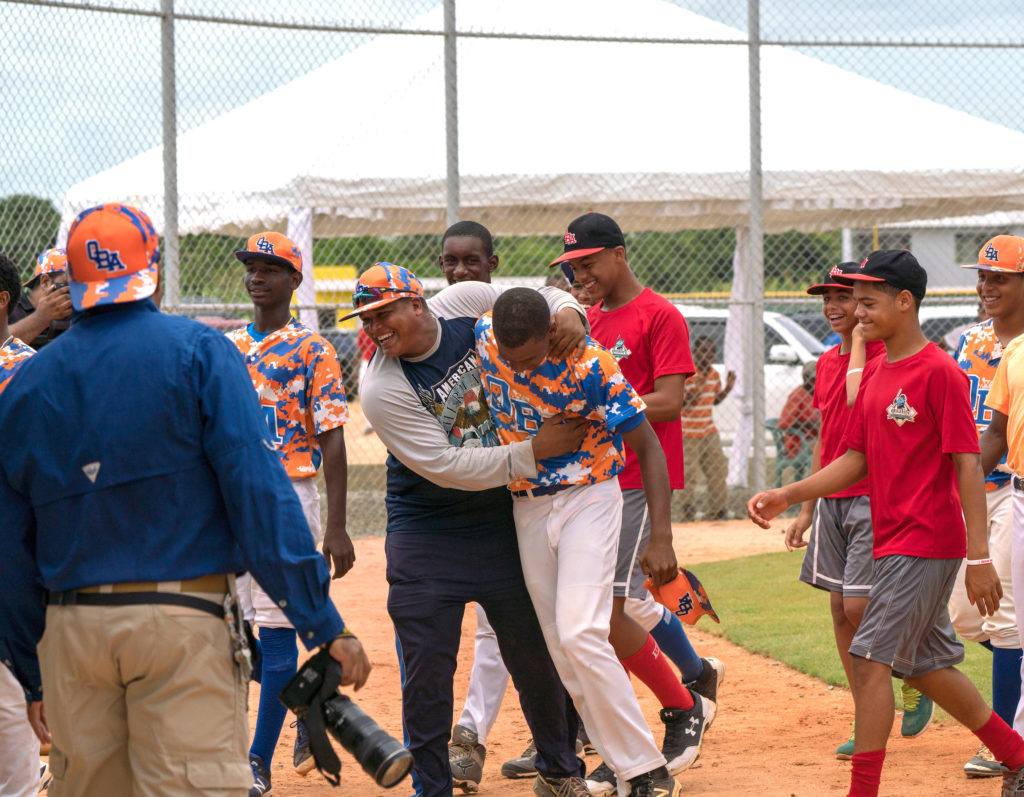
x=839 y=556
x=633 y=536
x=906 y=624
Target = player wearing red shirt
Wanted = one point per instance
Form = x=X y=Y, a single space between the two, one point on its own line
x=912 y=434
x=649 y=338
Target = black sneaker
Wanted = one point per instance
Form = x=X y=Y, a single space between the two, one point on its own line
x=525 y=766
x=657 y=783
x=711 y=677
x=602 y=781
x=260 y=776
x=684 y=732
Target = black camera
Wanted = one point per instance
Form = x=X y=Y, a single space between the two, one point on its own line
x=314 y=697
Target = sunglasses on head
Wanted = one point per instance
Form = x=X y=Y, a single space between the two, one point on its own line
x=367 y=294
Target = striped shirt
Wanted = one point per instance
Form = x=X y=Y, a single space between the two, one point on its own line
x=696 y=416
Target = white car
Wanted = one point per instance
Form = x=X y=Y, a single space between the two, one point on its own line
x=787 y=347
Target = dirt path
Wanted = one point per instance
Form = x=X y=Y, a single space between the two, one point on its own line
x=774 y=734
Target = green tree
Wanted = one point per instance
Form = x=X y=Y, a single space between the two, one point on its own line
x=28 y=226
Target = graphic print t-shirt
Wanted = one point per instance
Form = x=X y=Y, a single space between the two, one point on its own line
x=448 y=384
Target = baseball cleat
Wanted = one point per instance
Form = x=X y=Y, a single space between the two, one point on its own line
x=466 y=758
x=302 y=756
x=1013 y=782
x=560 y=787
x=918 y=711
x=710 y=679
x=657 y=783
x=602 y=781
x=583 y=744
x=524 y=766
x=261 y=778
x=684 y=733
x=983 y=765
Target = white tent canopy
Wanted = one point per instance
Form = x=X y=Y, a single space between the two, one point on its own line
x=654 y=134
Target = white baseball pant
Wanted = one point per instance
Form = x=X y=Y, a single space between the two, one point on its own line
x=19 y=747
x=568 y=543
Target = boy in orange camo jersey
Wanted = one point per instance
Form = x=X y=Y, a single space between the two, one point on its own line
x=298 y=379
x=567 y=524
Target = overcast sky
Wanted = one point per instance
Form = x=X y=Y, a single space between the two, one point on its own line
x=81 y=90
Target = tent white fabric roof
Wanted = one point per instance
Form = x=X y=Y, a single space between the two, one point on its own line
x=654 y=134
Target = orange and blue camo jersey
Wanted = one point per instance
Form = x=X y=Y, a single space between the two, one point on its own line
x=12 y=355
x=298 y=379
x=591 y=386
x=978 y=353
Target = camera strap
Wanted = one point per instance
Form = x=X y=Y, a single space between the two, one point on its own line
x=327 y=762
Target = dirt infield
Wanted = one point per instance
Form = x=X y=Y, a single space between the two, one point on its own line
x=774 y=735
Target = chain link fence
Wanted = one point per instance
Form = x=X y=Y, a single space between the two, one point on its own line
x=743 y=149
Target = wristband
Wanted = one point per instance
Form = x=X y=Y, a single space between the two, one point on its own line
x=979 y=561
x=347 y=634
x=853 y=371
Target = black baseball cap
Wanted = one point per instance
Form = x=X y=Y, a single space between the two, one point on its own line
x=830 y=281
x=897 y=267
x=587 y=235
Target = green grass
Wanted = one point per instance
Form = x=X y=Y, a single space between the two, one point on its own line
x=764 y=609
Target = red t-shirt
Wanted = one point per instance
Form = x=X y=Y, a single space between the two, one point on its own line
x=909 y=418
x=649 y=338
x=830 y=399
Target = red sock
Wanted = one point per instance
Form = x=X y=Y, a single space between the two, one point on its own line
x=1003 y=741
x=866 y=773
x=653 y=669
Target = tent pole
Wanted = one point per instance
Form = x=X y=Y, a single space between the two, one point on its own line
x=169 y=269
x=451 y=116
x=756 y=264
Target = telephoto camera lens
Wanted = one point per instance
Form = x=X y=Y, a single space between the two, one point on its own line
x=381 y=756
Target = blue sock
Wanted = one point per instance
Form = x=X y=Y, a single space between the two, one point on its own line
x=671 y=638
x=280 y=663
x=1005 y=682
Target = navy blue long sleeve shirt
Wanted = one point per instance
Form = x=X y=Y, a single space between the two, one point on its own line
x=133 y=448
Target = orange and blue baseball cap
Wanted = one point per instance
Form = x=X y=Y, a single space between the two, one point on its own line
x=830 y=278
x=1002 y=253
x=272 y=247
x=381 y=284
x=588 y=235
x=112 y=256
x=52 y=261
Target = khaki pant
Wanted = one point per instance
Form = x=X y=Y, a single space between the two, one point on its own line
x=143 y=700
x=704 y=455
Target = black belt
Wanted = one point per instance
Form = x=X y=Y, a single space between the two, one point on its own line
x=76 y=598
x=536 y=492
x=1018 y=483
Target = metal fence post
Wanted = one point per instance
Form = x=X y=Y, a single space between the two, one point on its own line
x=756 y=272
x=169 y=269
x=451 y=115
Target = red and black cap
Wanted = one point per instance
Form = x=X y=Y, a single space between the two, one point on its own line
x=830 y=278
x=897 y=267
x=588 y=235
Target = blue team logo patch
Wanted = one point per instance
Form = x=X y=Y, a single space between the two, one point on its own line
x=900 y=410
x=265 y=246
x=991 y=253
x=105 y=259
